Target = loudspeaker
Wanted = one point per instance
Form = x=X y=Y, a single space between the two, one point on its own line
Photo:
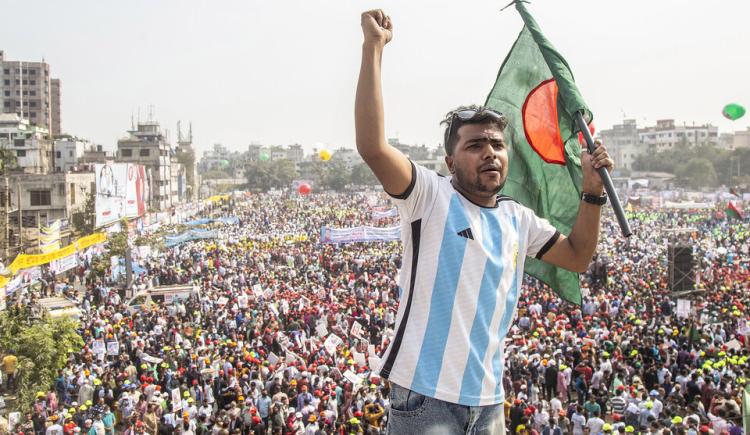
x=681 y=267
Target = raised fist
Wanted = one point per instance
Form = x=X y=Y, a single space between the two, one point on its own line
x=377 y=27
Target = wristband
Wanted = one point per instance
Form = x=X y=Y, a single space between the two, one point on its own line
x=594 y=199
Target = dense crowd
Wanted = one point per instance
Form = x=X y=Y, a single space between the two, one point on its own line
x=282 y=333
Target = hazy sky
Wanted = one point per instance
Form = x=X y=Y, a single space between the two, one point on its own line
x=283 y=71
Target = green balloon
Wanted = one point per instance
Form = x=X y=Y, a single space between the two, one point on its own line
x=733 y=111
x=264 y=157
x=225 y=162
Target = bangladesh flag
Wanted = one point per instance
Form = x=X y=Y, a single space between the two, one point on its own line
x=732 y=211
x=536 y=91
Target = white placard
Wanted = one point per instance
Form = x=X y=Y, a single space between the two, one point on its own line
x=176 y=400
x=683 y=308
x=98 y=348
x=371 y=350
x=359 y=358
x=331 y=342
x=321 y=330
x=222 y=301
x=242 y=301
x=733 y=344
x=357 y=330
x=257 y=290
x=113 y=348
x=13 y=419
x=352 y=377
x=272 y=359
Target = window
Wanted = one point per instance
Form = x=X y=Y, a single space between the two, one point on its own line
x=6 y=82
x=6 y=71
x=32 y=72
x=126 y=152
x=20 y=153
x=7 y=93
x=72 y=193
x=70 y=153
x=32 y=93
x=32 y=114
x=40 y=197
x=32 y=82
x=57 y=154
x=6 y=104
x=145 y=152
x=32 y=104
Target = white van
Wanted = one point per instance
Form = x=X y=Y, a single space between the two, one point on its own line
x=60 y=307
x=162 y=295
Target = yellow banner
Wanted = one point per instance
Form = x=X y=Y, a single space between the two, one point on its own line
x=51 y=247
x=93 y=239
x=217 y=198
x=24 y=261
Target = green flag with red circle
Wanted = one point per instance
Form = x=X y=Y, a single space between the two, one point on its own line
x=536 y=91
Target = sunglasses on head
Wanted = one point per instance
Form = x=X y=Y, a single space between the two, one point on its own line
x=469 y=114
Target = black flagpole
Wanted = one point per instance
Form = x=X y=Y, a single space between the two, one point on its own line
x=606 y=179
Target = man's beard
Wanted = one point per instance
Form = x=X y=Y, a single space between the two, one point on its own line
x=476 y=185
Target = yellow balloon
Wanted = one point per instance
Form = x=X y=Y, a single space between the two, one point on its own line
x=325 y=155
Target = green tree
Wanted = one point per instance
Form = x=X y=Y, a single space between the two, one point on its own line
x=363 y=175
x=264 y=175
x=8 y=159
x=84 y=221
x=41 y=346
x=335 y=175
x=697 y=173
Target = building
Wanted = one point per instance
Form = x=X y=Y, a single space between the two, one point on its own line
x=186 y=156
x=147 y=146
x=295 y=153
x=217 y=159
x=741 y=139
x=42 y=199
x=91 y=155
x=69 y=151
x=26 y=90
x=666 y=135
x=31 y=144
x=55 y=101
x=623 y=143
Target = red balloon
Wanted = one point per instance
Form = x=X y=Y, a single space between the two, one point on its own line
x=304 y=189
x=592 y=129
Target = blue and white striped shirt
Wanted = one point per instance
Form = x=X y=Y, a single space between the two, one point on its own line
x=460 y=282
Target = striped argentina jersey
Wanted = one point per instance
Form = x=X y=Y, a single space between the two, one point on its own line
x=460 y=281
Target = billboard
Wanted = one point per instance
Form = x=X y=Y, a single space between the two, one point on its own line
x=120 y=192
x=136 y=191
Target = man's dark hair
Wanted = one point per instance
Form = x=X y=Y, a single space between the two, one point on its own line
x=453 y=123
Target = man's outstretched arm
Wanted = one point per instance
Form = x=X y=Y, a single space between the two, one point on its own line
x=389 y=165
x=575 y=251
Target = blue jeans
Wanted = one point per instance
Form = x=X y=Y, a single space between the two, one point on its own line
x=412 y=413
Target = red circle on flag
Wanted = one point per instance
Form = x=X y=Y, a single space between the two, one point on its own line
x=540 y=123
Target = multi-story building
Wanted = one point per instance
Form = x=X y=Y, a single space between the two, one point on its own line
x=69 y=150
x=31 y=144
x=40 y=199
x=666 y=135
x=147 y=146
x=741 y=139
x=623 y=143
x=26 y=90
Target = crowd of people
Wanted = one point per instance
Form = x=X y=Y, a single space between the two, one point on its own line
x=282 y=334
